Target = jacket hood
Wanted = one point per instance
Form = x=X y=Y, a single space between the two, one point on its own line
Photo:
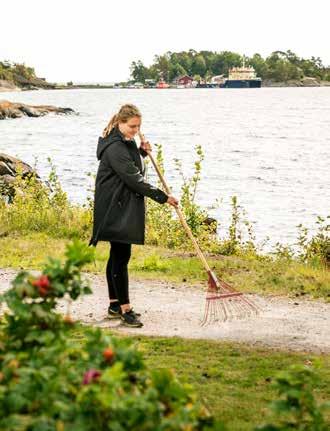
x=103 y=143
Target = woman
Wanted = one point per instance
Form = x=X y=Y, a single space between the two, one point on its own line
x=119 y=208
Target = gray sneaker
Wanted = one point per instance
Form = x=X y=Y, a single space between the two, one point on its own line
x=130 y=319
x=114 y=311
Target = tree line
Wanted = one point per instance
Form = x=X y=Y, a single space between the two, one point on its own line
x=279 y=66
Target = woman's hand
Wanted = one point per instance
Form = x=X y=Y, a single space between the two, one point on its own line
x=145 y=145
x=172 y=201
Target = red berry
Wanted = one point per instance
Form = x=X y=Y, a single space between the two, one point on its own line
x=108 y=354
x=44 y=281
x=43 y=284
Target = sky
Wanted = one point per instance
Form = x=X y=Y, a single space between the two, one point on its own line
x=96 y=41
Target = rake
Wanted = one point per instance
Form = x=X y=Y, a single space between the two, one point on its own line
x=223 y=302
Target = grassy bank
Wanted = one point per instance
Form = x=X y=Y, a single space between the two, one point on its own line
x=233 y=380
x=248 y=273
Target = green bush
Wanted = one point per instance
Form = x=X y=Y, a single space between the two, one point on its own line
x=164 y=227
x=44 y=207
x=50 y=382
x=316 y=247
x=311 y=249
x=297 y=408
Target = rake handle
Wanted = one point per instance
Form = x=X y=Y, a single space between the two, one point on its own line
x=179 y=212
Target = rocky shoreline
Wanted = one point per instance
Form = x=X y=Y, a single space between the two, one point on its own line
x=18 y=110
x=6 y=86
x=24 y=84
x=305 y=82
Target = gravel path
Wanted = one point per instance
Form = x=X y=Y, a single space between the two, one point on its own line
x=171 y=310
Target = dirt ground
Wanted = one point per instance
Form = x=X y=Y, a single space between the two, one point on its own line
x=171 y=310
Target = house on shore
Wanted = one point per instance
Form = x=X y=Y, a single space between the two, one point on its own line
x=184 y=81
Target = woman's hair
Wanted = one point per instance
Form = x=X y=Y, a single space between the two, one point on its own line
x=123 y=115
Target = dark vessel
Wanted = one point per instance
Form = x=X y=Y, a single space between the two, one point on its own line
x=242 y=77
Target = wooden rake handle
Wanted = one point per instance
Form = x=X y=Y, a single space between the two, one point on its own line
x=178 y=211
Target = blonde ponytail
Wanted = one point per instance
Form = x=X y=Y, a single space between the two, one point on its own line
x=112 y=123
x=125 y=113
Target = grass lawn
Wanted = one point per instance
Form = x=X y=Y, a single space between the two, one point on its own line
x=233 y=380
x=247 y=273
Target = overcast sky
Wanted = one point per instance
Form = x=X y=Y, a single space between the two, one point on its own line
x=97 y=40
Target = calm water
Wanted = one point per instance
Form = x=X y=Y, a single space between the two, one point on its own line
x=270 y=147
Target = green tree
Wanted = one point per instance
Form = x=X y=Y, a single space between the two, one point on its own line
x=139 y=72
x=198 y=66
x=185 y=61
x=175 y=71
x=224 y=61
x=259 y=64
x=22 y=70
x=162 y=64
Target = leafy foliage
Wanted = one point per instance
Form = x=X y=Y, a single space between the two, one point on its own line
x=165 y=229
x=317 y=246
x=44 y=207
x=48 y=382
x=314 y=249
x=297 y=408
x=11 y=71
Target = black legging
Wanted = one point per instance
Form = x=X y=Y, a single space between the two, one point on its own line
x=117 y=273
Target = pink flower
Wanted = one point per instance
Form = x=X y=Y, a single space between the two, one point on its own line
x=91 y=376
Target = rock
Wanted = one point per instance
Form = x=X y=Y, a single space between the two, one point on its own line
x=211 y=223
x=12 y=165
x=8 y=86
x=17 y=110
x=9 y=169
x=310 y=82
x=33 y=83
x=304 y=82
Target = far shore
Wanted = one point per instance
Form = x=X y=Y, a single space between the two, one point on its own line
x=265 y=84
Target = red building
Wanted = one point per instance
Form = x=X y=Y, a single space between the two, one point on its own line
x=185 y=80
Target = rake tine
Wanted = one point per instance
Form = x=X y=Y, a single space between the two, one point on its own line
x=236 y=308
x=206 y=312
x=225 y=303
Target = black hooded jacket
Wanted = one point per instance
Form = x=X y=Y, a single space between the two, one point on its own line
x=120 y=188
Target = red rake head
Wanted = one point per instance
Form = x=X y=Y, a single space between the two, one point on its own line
x=223 y=302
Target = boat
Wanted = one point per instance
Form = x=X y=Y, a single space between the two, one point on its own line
x=162 y=84
x=242 y=77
